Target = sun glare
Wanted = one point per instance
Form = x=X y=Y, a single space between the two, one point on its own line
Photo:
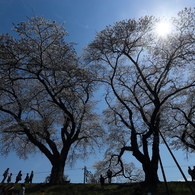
x=163 y=28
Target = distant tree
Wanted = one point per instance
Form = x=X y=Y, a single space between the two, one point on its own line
x=93 y=178
x=46 y=96
x=144 y=72
x=121 y=171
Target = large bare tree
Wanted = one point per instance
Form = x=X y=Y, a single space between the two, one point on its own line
x=46 y=96
x=145 y=71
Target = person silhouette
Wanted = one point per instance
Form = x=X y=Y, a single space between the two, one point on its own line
x=5 y=174
x=27 y=178
x=9 y=178
x=109 y=175
x=19 y=176
x=31 y=177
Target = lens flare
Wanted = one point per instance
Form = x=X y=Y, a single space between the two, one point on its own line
x=163 y=28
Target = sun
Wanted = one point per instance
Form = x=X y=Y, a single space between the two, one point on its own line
x=163 y=28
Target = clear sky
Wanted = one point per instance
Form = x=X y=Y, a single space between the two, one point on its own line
x=83 y=19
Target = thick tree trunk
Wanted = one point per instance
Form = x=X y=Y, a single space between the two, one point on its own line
x=149 y=164
x=150 y=170
x=57 y=173
x=58 y=165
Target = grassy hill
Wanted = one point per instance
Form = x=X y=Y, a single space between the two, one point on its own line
x=175 y=188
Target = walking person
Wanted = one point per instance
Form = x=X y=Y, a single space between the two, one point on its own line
x=6 y=172
x=31 y=177
x=27 y=178
x=9 y=178
x=109 y=175
x=19 y=176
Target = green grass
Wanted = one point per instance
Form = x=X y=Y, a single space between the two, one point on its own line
x=175 y=188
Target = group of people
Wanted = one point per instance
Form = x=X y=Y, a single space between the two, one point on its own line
x=109 y=176
x=28 y=179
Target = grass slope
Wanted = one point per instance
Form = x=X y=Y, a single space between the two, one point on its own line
x=175 y=188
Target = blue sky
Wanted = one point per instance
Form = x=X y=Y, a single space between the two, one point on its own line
x=83 y=19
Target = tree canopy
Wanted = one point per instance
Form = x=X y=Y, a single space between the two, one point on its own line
x=46 y=91
x=146 y=74
x=46 y=96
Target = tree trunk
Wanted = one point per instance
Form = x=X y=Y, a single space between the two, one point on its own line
x=57 y=172
x=150 y=167
x=58 y=165
x=150 y=170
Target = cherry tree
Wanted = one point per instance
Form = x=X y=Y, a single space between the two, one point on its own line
x=144 y=72
x=46 y=96
x=121 y=171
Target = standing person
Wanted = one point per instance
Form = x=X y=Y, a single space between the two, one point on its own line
x=109 y=175
x=22 y=189
x=102 y=181
x=27 y=178
x=31 y=177
x=6 y=172
x=193 y=172
x=19 y=176
x=9 y=178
